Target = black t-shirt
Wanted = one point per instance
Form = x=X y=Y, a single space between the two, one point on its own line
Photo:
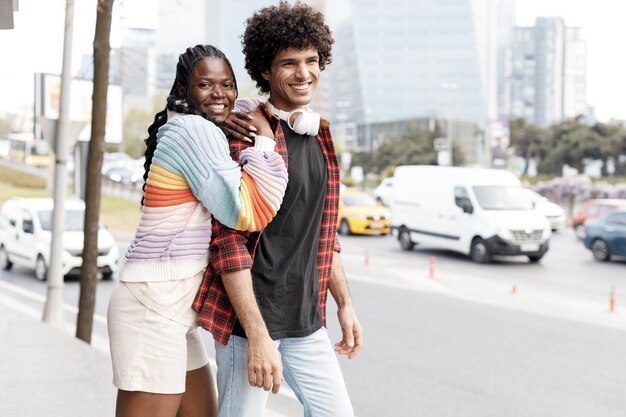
x=284 y=271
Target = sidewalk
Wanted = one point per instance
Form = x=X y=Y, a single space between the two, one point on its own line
x=45 y=372
x=48 y=372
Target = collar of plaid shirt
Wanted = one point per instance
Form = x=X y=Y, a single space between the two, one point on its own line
x=232 y=251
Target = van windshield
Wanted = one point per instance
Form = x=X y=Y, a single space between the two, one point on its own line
x=74 y=220
x=502 y=197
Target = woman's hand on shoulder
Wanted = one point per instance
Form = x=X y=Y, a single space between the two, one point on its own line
x=238 y=125
x=245 y=126
x=260 y=124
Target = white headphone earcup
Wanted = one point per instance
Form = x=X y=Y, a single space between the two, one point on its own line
x=307 y=123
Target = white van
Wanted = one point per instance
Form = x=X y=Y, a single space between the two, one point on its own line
x=25 y=237
x=475 y=211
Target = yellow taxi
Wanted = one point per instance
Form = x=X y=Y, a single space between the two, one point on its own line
x=361 y=214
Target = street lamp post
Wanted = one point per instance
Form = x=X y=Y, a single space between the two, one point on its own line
x=449 y=86
x=53 y=310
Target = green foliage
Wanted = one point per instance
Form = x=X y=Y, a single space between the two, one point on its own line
x=136 y=130
x=414 y=147
x=348 y=182
x=568 y=143
x=118 y=214
x=11 y=177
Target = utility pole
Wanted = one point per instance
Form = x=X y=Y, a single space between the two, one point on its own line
x=53 y=310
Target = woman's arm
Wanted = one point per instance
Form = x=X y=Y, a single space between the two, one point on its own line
x=196 y=151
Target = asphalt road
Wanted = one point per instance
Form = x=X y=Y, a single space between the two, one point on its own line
x=462 y=343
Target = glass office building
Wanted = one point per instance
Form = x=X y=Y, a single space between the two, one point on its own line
x=405 y=60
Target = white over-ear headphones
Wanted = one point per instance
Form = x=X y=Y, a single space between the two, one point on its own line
x=307 y=122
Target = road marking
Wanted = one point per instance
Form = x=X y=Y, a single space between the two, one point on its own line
x=42 y=299
x=473 y=289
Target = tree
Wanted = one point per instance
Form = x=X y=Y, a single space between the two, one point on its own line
x=572 y=142
x=612 y=144
x=414 y=147
x=89 y=272
x=527 y=141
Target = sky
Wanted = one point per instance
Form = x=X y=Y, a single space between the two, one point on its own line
x=36 y=43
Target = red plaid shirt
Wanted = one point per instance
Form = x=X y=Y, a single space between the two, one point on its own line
x=232 y=251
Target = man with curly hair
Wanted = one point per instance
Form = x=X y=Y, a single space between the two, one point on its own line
x=264 y=294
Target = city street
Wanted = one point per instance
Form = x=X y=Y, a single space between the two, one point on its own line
x=510 y=338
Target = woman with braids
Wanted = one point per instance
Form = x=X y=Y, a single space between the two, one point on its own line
x=160 y=364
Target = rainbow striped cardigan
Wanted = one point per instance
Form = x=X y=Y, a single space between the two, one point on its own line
x=192 y=177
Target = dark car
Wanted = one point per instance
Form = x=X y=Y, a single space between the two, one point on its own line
x=606 y=236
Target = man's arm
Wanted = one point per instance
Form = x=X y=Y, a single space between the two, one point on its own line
x=352 y=340
x=264 y=362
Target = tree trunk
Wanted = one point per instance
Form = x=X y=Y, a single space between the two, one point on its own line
x=529 y=154
x=89 y=272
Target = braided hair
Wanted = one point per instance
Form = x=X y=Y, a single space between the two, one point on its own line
x=176 y=101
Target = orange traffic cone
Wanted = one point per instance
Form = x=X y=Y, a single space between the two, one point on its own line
x=431 y=269
x=612 y=301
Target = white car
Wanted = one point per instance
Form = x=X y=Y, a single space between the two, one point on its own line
x=553 y=212
x=382 y=193
x=25 y=238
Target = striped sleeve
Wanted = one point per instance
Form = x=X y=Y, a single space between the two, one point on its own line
x=194 y=149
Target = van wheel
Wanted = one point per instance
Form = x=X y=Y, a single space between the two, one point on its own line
x=600 y=250
x=107 y=276
x=405 y=239
x=5 y=264
x=344 y=227
x=41 y=270
x=479 y=251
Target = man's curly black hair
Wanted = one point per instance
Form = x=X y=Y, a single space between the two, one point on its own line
x=276 y=28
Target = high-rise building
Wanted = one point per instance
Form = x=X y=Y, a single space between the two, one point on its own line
x=137 y=62
x=549 y=67
x=575 y=73
x=505 y=33
x=403 y=60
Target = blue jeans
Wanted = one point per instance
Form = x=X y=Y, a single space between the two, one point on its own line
x=310 y=367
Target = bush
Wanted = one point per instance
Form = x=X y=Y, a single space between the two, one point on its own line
x=570 y=192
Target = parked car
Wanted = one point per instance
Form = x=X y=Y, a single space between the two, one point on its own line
x=382 y=193
x=122 y=175
x=360 y=214
x=474 y=211
x=25 y=237
x=606 y=236
x=553 y=212
x=592 y=209
x=114 y=160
